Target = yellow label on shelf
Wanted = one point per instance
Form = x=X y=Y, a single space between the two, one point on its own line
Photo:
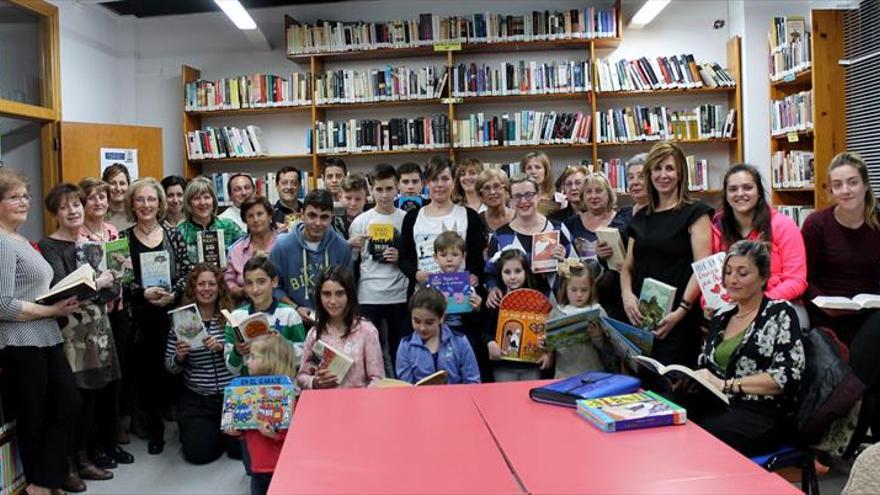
x=792 y=137
x=449 y=46
x=446 y=101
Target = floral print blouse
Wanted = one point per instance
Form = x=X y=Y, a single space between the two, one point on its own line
x=772 y=344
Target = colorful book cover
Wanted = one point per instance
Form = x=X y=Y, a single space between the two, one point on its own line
x=188 y=326
x=119 y=260
x=211 y=247
x=407 y=203
x=381 y=238
x=325 y=356
x=709 y=272
x=248 y=329
x=655 y=302
x=91 y=253
x=569 y=330
x=628 y=341
x=291 y=219
x=249 y=401
x=456 y=286
x=543 y=245
x=631 y=411
x=156 y=269
x=521 y=317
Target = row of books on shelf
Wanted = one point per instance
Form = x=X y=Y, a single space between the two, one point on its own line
x=11 y=469
x=328 y=36
x=645 y=74
x=265 y=186
x=642 y=123
x=614 y=170
x=251 y=91
x=521 y=78
x=792 y=169
x=796 y=213
x=523 y=128
x=225 y=142
x=792 y=114
x=513 y=169
x=790 y=48
x=375 y=85
x=359 y=135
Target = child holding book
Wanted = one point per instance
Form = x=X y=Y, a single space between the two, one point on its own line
x=433 y=346
x=260 y=280
x=577 y=294
x=513 y=266
x=340 y=327
x=269 y=355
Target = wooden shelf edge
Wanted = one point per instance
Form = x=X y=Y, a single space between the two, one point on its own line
x=249 y=111
x=794 y=189
x=800 y=78
x=522 y=146
x=384 y=152
x=380 y=103
x=586 y=95
x=676 y=141
x=665 y=92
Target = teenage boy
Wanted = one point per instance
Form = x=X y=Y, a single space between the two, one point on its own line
x=354 y=201
x=309 y=247
x=287 y=184
x=239 y=188
x=382 y=286
x=411 y=184
x=332 y=174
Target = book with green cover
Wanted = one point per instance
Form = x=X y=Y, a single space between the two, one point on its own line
x=655 y=302
x=631 y=411
x=119 y=260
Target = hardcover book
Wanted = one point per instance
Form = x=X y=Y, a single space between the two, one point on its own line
x=589 y=385
x=569 y=330
x=709 y=273
x=407 y=203
x=119 y=260
x=521 y=317
x=188 y=326
x=631 y=411
x=543 y=245
x=249 y=401
x=456 y=286
x=156 y=269
x=92 y=253
x=655 y=302
x=250 y=328
x=611 y=236
x=381 y=238
x=211 y=247
x=79 y=283
x=325 y=356
x=628 y=341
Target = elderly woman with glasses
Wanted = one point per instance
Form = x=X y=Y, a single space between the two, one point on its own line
x=570 y=183
x=494 y=188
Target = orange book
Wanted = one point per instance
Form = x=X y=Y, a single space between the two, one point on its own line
x=521 y=318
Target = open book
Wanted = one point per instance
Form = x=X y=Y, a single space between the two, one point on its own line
x=79 y=283
x=333 y=360
x=249 y=328
x=861 y=301
x=437 y=378
x=677 y=372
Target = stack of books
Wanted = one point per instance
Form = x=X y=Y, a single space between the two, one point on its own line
x=375 y=85
x=225 y=142
x=792 y=114
x=364 y=135
x=646 y=74
x=523 y=128
x=252 y=91
x=792 y=169
x=640 y=123
x=521 y=78
x=790 y=47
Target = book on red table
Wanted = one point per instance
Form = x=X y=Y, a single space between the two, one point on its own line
x=631 y=411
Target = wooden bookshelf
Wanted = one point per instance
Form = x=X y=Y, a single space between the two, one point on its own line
x=385 y=152
x=249 y=111
x=676 y=141
x=826 y=79
x=380 y=104
x=262 y=158
x=665 y=92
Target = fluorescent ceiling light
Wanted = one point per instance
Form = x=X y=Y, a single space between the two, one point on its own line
x=237 y=14
x=646 y=14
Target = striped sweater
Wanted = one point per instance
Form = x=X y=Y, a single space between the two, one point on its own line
x=25 y=276
x=285 y=321
x=204 y=371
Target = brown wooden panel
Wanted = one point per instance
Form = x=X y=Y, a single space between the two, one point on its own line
x=81 y=145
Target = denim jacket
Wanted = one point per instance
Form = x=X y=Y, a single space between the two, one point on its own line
x=414 y=360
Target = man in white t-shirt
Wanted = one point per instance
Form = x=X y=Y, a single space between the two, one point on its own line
x=373 y=236
x=239 y=188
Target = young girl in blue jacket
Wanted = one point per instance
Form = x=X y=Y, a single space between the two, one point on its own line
x=433 y=346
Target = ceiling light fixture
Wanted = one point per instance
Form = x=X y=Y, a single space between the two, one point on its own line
x=647 y=13
x=237 y=14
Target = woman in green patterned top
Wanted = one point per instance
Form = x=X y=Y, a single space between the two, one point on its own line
x=200 y=207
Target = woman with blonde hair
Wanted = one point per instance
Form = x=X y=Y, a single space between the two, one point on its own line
x=467 y=172
x=494 y=188
x=200 y=208
x=537 y=166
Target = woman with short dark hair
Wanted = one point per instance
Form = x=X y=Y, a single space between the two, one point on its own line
x=256 y=212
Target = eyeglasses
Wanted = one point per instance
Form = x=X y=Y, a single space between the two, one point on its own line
x=18 y=198
x=518 y=198
x=146 y=200
x=492 y=188
x=574 y=183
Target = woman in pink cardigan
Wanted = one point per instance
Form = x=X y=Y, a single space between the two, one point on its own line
x=339 y=325
x=745 y=214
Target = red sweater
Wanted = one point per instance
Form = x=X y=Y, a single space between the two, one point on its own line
x=264 y=451
x=788 y=259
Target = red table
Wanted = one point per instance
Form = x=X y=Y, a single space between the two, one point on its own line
x=492 y=439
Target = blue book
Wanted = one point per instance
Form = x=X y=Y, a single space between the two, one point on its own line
x=248 y=401
x=407 y=203
x=589 y=385
x=456 y=286
x=156 y=269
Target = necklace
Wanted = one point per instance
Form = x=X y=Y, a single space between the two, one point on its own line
x=98 y=235
x=740 y=316
x=151 y=231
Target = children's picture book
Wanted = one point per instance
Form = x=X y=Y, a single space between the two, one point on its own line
x=655 y=302
x=79 y=283
x=327 y=357
x=543 y=245
x=407 y=203
x=569 y=330
x=521 y=317
x=456 y=286
x=381 y=238
x=156 y=269
x=188 y=326
x=250 y=328
x=291 y=219
x=211 y=247
x=678 y=372
x=92 y=253
x=437 y=378
x=249 y=401
x=611 y=236
x=859 y=302
x=118 y=257
x=589 y=385
x=631 y=411
x=709 y=272
x=628 y=341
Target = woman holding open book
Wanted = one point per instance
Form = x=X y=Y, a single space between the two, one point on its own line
x=31 y=347
x=161 y=265
x=665 y=238
x=842 y=244
x=88 y=339
x=754 y=354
